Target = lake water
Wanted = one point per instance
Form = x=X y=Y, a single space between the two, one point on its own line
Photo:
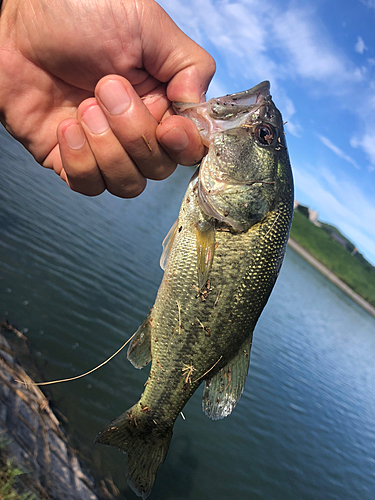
x=78 y=274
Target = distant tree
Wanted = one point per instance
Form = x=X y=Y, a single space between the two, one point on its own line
x=303 y=210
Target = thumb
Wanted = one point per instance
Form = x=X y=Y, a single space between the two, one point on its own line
x=190 y=83
x=177 y=60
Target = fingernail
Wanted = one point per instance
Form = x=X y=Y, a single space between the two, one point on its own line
x=175 y=139
x=114 y=97
x=95 y=119
x=74 y=136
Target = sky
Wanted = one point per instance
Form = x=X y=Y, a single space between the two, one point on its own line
x=320 y=59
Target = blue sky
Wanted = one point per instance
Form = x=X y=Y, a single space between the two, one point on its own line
x=320 y=59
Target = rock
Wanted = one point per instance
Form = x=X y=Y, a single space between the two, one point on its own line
x=37 y=443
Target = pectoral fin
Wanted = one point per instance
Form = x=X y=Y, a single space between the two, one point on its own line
x=139 y=351
x=167 y=245
x=205 y=234
x=223 y=391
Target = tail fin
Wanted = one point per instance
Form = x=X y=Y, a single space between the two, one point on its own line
x=144 y=443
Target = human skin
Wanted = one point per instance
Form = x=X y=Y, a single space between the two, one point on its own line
x=86 y=86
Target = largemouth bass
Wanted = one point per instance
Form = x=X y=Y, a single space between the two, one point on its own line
x=221 y=259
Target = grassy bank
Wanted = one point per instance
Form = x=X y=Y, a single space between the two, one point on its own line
x=9 y=473
x=353 y=270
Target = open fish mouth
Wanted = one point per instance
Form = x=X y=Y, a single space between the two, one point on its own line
x=220 y=113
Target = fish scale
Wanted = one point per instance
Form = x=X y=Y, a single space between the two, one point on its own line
x=222 y=258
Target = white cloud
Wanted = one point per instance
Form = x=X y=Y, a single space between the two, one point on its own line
x=360 y=46
x=311 y=53
x=293 y=128
x=253 y=42
x=261 y=43
x=337 y=151
x=367 y=143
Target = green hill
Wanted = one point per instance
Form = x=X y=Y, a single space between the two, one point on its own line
x=337 y=253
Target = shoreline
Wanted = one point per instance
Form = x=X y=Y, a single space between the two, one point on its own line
x=331 y=277
x=33 y=438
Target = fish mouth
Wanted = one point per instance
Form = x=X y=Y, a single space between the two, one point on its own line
x=223 y=113
x=245 y=98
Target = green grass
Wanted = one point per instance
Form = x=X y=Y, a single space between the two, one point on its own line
x=8 y=478
x=358 y=274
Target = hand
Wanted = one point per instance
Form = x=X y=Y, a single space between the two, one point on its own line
x=87 y=88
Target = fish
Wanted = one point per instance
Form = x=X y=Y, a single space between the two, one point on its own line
x=221 y=259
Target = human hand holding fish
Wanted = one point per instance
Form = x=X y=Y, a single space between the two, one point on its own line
x=87 y=88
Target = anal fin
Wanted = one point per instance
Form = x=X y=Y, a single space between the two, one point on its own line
x=223 y=391
x=139 y=351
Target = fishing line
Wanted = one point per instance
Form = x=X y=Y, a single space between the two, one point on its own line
x=205 y=373
x=82 y=374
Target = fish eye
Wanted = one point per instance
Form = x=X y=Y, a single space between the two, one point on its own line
x=265 y=134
